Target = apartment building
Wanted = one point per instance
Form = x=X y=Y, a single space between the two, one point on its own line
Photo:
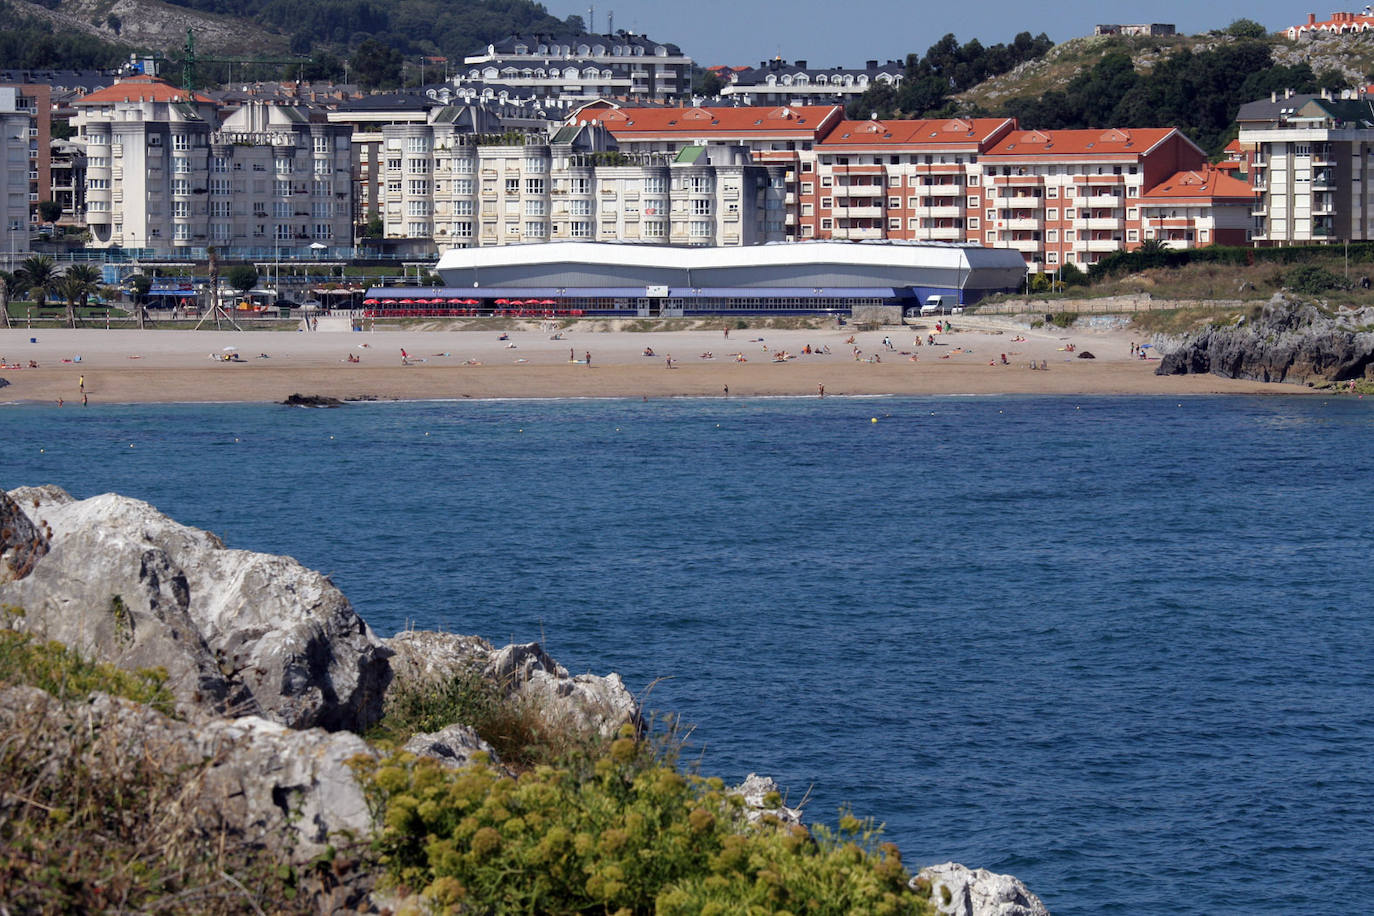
x=580 y=67
x=14 y=174
x=1074 y=196
x=1338 y=24
x=1198 y=207
x=445 y=185
x=776 y=82
x=898 y=179
x=166 y=178
x=1312 y=165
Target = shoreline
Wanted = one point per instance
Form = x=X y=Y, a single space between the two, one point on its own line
x=178 y=366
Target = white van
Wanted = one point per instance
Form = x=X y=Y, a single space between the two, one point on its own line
x=940 y=305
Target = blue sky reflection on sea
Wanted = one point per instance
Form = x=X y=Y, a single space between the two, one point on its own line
x=1116 y=646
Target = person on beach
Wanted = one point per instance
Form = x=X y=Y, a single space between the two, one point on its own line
x=81 y=383
x=405 y=357
x=84 y=399
x=59 y=400
x=820 y=389
x=589 y=359
x=726 y=390
x=668 y=363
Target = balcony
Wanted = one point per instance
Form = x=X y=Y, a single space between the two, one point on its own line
x=1110 y=201
x=860 y=190
x=1260 y=209
x=944 y=212
x=1101 y=222
x=1022 y=203
x=943 y=190
x=1022 y=224
x=858 y=234
x=859 y=212
x=942 y=234
x=1104 y=244
x=1024 y=245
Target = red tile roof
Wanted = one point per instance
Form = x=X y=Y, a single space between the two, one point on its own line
x=961 y=131
x=1113 y=142
x=141 y=88
x=795 y=120
x=1205 y=184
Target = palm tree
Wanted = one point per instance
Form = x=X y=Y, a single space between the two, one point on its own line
x=38 y=274
x=7 y=283
x=78 y=283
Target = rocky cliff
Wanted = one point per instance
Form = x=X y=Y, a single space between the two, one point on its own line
x=1287 y=342
x=272 y=674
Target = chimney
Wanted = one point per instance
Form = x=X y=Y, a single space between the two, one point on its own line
x=871 y=64
x=801 y=65
x=1274 y=96
x=1288 y=93
x=1311 y=18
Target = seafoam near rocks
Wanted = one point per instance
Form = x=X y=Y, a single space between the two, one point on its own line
x=238 y=632
x=978 y=892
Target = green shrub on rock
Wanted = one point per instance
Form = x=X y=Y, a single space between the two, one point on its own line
x=624 y=833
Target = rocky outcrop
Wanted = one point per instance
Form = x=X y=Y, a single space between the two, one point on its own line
x=288 y=790
x=22 y=544
x=756 y=791
x=453 y=746
x=1288 y=342
x=590 y=703
x=311 y=400
x=238 y=632
x=956 y=890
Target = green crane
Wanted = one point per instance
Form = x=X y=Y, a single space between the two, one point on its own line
x=189 y=59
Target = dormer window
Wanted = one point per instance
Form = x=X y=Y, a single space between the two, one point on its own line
x=522 y=49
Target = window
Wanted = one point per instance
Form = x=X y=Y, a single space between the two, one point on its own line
x=181 y=232
x=975 y=202
x=894 y=225
x=283 y=166
x=655 y=229
x=1052 y=235
x=321 y=144
x=1132 y=235
x=220 y=231
x=581 y=229
x=580 y=207
x=651 y=185
x=98 y=184
x=417 y=230
x=534 y=208
x=417 y=144
x=826 y=203
x=894 y=203
x=1052 y=214
x=534 y=185
x=462 y=230
x=973 y=222
x=181 y=142
x=219 y=208
x=584 y=185
x=1052 y=192
x=181 y=209
x=536 y=229
x=322 y=209
x=322 y=231
x=1070 y=213
x=464 y=167
x=462 y=208
x=536 y=165
x=181 y=186
x=181 y=165
x=1052 y=257
x=1132 y=213
x=827 y=181
x=219 y=186
x=393 y=164
x=281 y=188
x=323 y=188
x=512 y=185
x=323 y=167
x=699 y=229
x=417 y=208
x=217 y=164
x=701 y=208
x=973 y=181
x=393 y=186
x=826 y=223
x=281 y=209
x=417 y=186
x=417 y=166
x=281 y=232
x=991 y=236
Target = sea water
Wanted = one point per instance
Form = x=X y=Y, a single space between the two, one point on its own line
x=1118 y=647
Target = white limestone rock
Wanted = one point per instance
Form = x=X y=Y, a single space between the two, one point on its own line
x=238 y=632
x=978 y=892
x=755 y=791
x=453 y=746
x=291 y=791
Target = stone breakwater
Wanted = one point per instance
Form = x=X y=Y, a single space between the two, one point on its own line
x=274 y=675
x=1286 y=342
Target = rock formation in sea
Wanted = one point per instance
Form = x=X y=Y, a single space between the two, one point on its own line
x=273 y=675
x=1287 y=342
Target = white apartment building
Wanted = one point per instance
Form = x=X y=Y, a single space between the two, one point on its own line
x=14 y=173
x=1312 y=163
x=165 y=178
x=459 y=189
x=580 y=67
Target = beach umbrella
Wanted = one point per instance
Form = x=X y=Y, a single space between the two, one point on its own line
x=230 y=349
x=369 y=302
x=471 y=301
x=503 y=302
x=548 y=301
x=455 y=302
x=407 y=302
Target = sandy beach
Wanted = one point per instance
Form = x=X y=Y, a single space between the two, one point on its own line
x=130 y=366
